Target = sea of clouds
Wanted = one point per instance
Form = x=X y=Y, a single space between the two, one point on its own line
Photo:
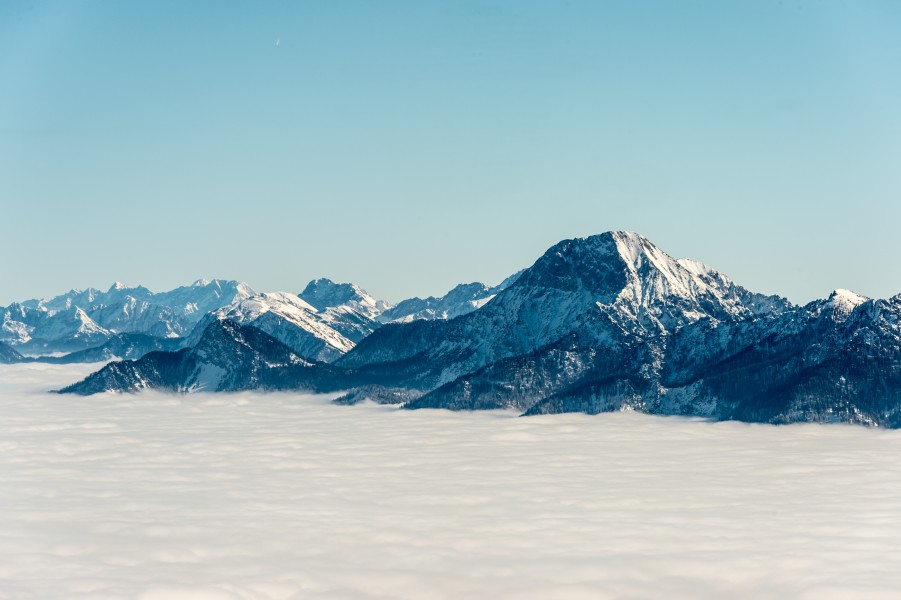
x=284 y=496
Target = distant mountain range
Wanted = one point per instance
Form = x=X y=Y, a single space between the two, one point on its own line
x=81 y=319
x=608 y=322
x=323 y=322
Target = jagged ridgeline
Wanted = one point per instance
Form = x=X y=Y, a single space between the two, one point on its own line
x=323 y=322
x=83 y=319
x=608 y=322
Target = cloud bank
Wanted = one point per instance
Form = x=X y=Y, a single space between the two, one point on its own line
x=252 y=496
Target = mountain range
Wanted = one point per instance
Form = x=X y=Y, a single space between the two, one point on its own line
x=323 y=322
x=608 y=322
x=81 y=319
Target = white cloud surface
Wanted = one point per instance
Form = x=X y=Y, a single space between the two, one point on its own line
x=283 y=496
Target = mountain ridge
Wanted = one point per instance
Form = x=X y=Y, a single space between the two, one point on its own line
x=80 y=319
x=607 y=322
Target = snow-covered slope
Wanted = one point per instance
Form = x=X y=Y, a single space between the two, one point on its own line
x=632 y=277
x=323 y=335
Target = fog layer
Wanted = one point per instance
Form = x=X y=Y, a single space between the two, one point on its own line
x=283 y=496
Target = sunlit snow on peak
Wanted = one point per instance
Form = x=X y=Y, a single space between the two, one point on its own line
x=847 y=297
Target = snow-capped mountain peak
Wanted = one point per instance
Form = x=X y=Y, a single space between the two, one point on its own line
x=462 y=299
x=597 y=289
x=324 y=293
x=847 y=298
x=841 y=303
x=625 y=272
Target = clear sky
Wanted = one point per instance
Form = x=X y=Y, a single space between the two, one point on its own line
x=409 y=146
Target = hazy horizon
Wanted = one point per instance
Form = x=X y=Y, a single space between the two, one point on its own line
x=411 y=146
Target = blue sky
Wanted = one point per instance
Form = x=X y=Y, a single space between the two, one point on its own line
x=409 y=146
